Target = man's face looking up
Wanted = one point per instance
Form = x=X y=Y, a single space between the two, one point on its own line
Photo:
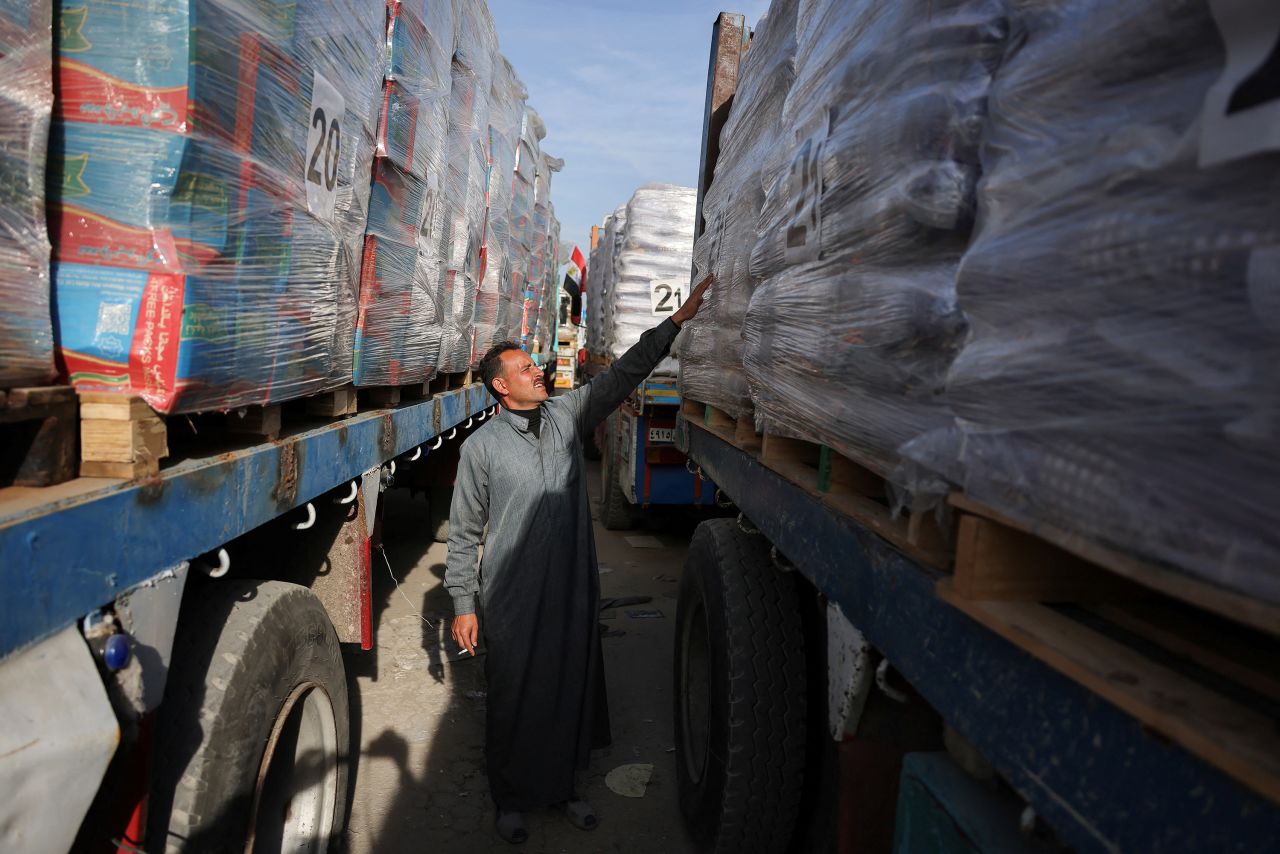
x=520 y=383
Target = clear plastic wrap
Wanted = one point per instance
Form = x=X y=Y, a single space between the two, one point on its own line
x=1120 y=382
x=656 y=248
x=496 y=303
x=211 y=164
x=26 y=102
x=398 y=322
x=849 y=336
x=466 y=177
x=752 y=149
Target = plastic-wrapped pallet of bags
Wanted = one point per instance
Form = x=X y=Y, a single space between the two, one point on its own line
x=209 y=194
x=594 y=303
x=496 y=303
x=1120 y=383
x=466 y=176
x=651 y=265
x=849 y=337
x=550 y=295
x=398 y=323
x=751 y=157
x=26 y=100
x=615 y=233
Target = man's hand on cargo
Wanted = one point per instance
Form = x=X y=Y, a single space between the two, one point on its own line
x=693 y=303
x=466 y=631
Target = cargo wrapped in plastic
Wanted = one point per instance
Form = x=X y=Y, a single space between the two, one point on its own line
x=497 y=302
x=753 y=146
x=611 y=242
x=849 y=337
x=1120 y=382
x=549 y=299
x=210 y=164
x=399 y=319
x=466 y=175
x=593 y=337
x=651 y=265
x=26 y=101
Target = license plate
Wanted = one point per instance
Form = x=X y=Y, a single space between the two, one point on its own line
x=661 y=434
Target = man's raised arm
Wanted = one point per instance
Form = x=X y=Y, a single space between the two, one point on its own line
x=607 y=392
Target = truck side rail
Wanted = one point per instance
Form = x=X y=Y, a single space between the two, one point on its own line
x=63 y=548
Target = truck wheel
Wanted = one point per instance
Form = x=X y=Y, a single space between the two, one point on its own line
x=252 y=750
x=615 y=511
x=740 y=694
x=440 y=496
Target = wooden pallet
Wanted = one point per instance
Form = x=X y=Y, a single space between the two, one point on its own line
x=737 y=431
x=1227 y=726
x=120 y=436
x=448 y=382
x=37 y=436
x=998 y=558
x=843 y=484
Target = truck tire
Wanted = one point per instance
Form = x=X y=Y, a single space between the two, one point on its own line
x=615 y=509
x=253 y=736
x=740 y=713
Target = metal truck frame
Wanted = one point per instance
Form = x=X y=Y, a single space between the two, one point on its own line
x=170 y=654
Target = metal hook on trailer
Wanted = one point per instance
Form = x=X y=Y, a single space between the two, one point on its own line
x=417 y=453
x=748 y=528
x=882 y=682
x=224 y=564
x=484 y=413
x=392 y=463
x=311 y=518
x=780 y=561
x=724 y=502
x=452 y=433
x=355 y=489
x=439 y=442
x=468 y=425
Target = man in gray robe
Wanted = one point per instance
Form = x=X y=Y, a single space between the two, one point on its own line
x=538 y=584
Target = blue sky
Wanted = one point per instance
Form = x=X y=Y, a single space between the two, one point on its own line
x=621 y=87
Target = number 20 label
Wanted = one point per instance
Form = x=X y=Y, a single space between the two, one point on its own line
x=324 y=148
x=665 y=298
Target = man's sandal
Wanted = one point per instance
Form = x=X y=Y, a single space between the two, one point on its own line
x=580 y=814
x=511 y=827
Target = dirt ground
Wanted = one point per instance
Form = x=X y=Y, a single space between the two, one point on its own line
x=419 y=718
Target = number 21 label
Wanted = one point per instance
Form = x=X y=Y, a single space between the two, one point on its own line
x=324 y=147
x=665 y=297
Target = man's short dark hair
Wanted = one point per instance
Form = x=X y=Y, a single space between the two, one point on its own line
x=491 y=364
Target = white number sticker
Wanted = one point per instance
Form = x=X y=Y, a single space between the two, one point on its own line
x=665 y=298
x=324 y=147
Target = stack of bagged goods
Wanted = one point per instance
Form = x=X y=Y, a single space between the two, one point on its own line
x=549 y=297
x=752 y=157
x=398 y=324
x=610 y=242
x=496 y=304
x=26 y=101
x=528 y=154
x=849 y=335
x=475 y=50
x=208 y=195
x=651 y=266
x=1120 y=381
x=593 y=340
x=540 y=255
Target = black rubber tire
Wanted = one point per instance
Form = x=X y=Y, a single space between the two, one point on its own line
x=439 y=498
x=740 y=656
x=242 y=648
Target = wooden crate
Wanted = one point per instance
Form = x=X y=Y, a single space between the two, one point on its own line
x=37 y=436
